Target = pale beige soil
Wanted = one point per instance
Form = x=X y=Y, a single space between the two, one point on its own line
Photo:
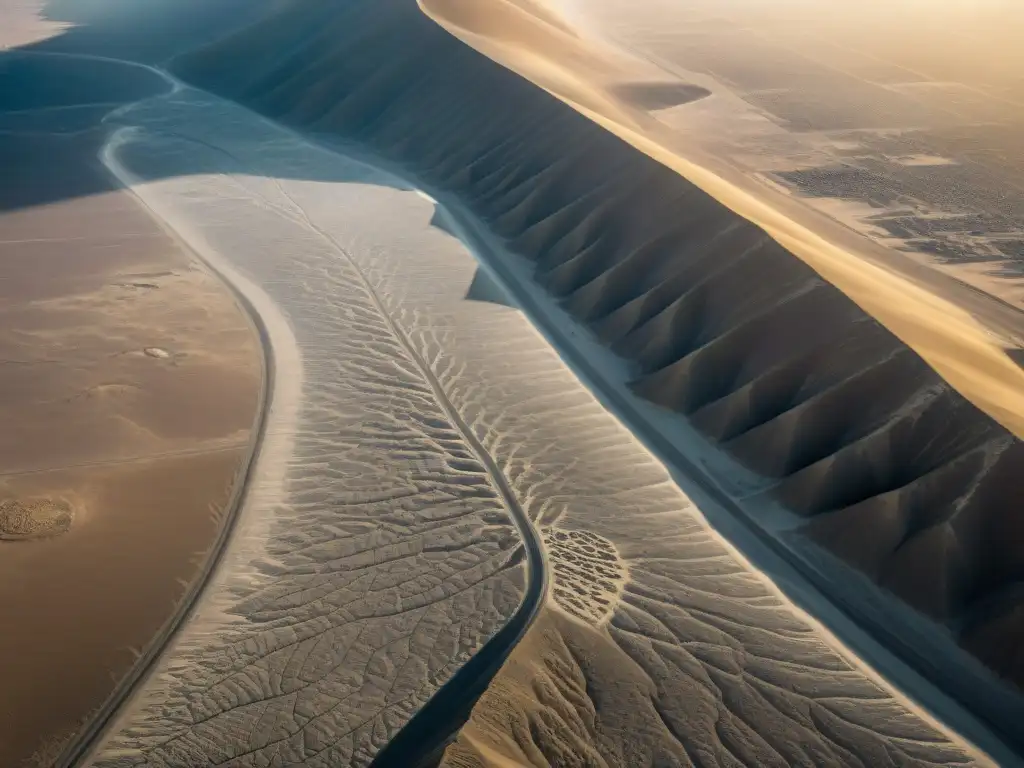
x=22 y=22
x=129 y=384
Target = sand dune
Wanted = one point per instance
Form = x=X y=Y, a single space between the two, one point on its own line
x=938 y=319
x=431 y=465
x=875 y=409
x=381 y=554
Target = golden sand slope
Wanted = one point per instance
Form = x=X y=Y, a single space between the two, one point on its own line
x=936 y=317
x=537 y=711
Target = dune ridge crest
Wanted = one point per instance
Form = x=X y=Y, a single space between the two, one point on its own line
x=969 y=353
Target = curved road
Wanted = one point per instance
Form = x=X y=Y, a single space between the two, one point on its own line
x=450 y=705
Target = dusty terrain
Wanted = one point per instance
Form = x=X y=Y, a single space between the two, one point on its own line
x=23 y=23
x=862 y=411
x=415 y=417
x=129 y=385
x=434 y=477
x=899 y=122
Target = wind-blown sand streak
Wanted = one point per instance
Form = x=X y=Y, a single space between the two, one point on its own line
x=384 y=560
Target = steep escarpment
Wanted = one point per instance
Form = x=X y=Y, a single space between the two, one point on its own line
x=878 y=464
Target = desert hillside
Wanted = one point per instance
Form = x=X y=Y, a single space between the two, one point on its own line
x=874 y=456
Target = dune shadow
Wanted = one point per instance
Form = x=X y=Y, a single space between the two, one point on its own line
x=33 y=82
x=57 y=112
x=654 y=96
x=484 y=288
x=731 y=331
x=147 y=31
x=440 y=221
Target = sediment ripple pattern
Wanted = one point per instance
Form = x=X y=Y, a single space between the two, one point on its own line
x=858 y=462
x=702 y=662
x=388 y=559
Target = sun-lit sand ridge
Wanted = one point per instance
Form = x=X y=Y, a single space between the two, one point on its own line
x=901 y=124
x=833 y=434
x=968 y=353
x=377 y=555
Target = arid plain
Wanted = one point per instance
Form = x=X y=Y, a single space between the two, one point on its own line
x=130 y=382
x=529 y=415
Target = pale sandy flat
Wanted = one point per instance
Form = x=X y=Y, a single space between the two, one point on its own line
x=23 y=22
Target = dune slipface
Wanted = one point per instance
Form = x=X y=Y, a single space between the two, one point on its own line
x=831 y=436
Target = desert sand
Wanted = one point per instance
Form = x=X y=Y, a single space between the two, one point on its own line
x=24 y=23
x=938 y=319
x=415 y=415
x=898 y=123
x=863 y=415
x=129 y=385
x=529 y=360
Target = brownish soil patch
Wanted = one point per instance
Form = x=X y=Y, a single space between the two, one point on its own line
x=33 y=518
x=129 y=385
